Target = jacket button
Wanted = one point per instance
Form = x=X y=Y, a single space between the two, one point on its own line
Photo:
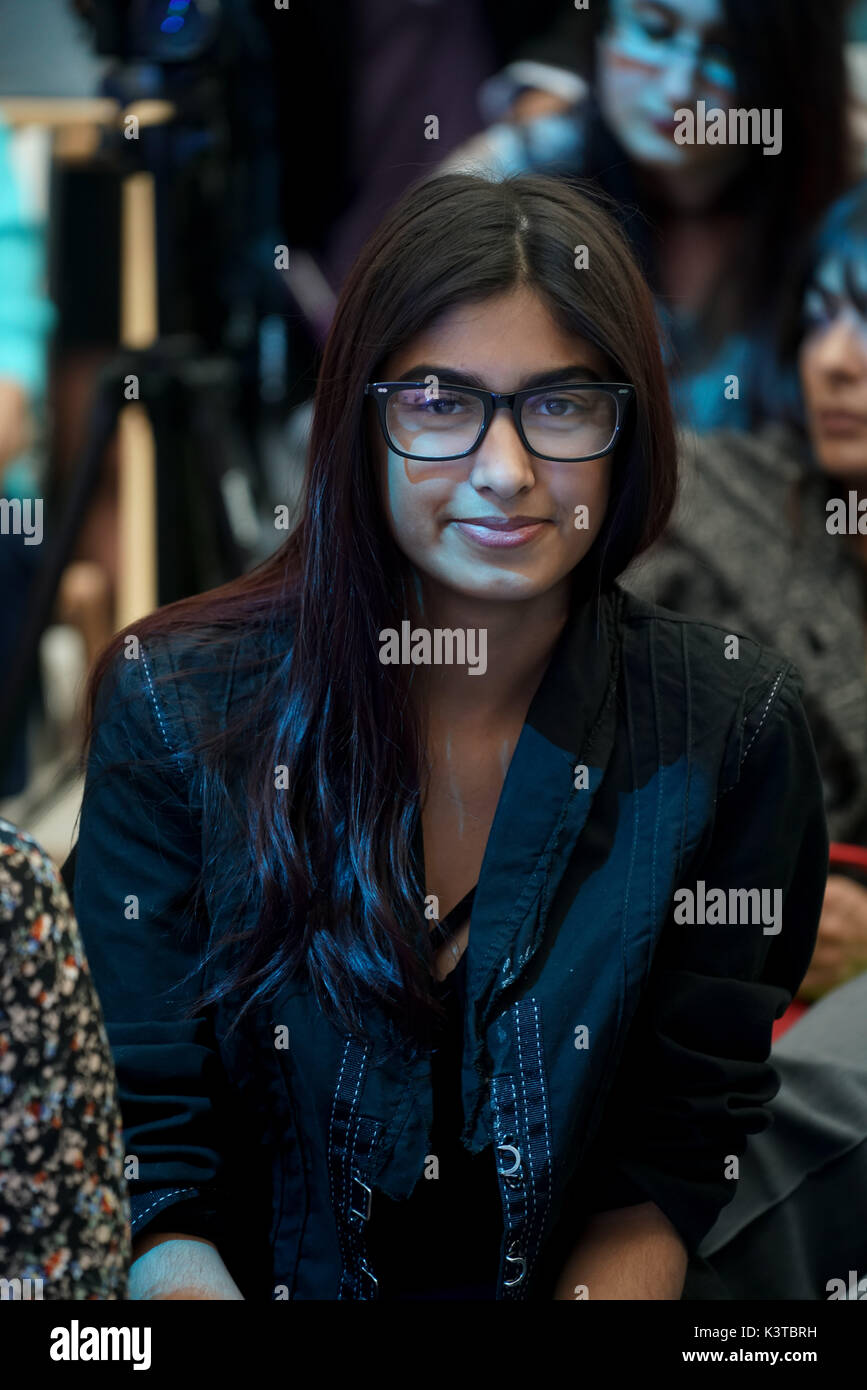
x=512 y=1166
x=515 y=1259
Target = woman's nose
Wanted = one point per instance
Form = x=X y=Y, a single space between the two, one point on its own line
x=680 y=77
x=501 y=462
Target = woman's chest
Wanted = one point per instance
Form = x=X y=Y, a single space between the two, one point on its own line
x=463 y=792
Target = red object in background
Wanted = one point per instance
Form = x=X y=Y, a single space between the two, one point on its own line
x=792 y=1014
x=846 y=857
x=851 y=857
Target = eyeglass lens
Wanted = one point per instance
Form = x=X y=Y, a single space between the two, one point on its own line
x=560 y=424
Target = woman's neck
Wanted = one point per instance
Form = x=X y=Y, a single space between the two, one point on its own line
x=519 y=638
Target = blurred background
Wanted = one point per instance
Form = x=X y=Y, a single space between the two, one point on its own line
x=183 y=185
x=183 y=188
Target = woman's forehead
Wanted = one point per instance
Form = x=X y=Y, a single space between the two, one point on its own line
x=511 y=330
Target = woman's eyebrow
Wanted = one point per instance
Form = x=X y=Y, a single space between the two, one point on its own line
x=577 y=371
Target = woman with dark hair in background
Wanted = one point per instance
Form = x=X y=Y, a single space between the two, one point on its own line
x=716 y=226
x=762 y=540
x=381 y=844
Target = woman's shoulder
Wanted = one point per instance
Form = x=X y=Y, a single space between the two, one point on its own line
x=22 y=856
x=717 y=693
x=739 y=480
x=173 y=685
x=695 y=658
x=33 y=902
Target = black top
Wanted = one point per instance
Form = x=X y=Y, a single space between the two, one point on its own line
x=443 y=1241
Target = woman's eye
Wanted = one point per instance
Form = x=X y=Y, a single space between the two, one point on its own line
x=555 y=407
x=655 y=27
x=818 y=308
x=429 y=404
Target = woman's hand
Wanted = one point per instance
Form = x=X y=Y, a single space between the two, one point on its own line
x=180 y=1267
x=534 y=102
x=629 y=1253
x=841 y=946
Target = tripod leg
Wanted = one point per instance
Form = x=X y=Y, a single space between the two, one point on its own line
x=137 y=530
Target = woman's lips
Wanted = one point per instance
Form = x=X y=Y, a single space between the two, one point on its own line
x=501 y=532
x=840 y=424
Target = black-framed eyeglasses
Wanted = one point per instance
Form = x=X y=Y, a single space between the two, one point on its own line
x=438 y=421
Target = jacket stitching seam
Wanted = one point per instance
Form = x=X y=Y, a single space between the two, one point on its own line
x=531 y=1193
x=163 y=1197
x=757 y=731
x=156 y=705
x=535 y=1003
x=337 y=1196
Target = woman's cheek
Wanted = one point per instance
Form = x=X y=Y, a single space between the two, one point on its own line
x=413 y=504
x=591 y=502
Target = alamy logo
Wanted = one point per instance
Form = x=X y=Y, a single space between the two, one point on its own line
x=76 y=1343
x=439 y=646
x=20 y=1290
x=22 y=517
x=738 y=907
x=737 y=126
x=846 y=516
x=856 y=1288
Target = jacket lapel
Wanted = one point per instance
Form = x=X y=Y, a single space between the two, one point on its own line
x=541 y=812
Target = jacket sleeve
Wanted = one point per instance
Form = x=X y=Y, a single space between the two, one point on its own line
x=137 y=864
x=694 y=1080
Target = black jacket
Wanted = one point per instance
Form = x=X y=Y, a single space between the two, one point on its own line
x=701 y=768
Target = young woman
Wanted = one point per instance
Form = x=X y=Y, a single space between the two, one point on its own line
x=716 y=225
x=395 y=854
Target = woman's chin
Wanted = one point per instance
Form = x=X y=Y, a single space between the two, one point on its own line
x=508 y=585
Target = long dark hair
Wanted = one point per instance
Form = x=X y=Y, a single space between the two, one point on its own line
x=328 y=860
x=787 y=54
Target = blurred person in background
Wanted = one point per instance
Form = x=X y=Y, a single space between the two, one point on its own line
x=755 y=545
x=64 y=1212
x=717 y=226
x=375 y=71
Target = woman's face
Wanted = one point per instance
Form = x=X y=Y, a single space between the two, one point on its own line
x=833 y=365
x=442 y=514
x=654 y=58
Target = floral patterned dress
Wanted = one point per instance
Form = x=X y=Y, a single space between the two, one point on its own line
x=64 y=1222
